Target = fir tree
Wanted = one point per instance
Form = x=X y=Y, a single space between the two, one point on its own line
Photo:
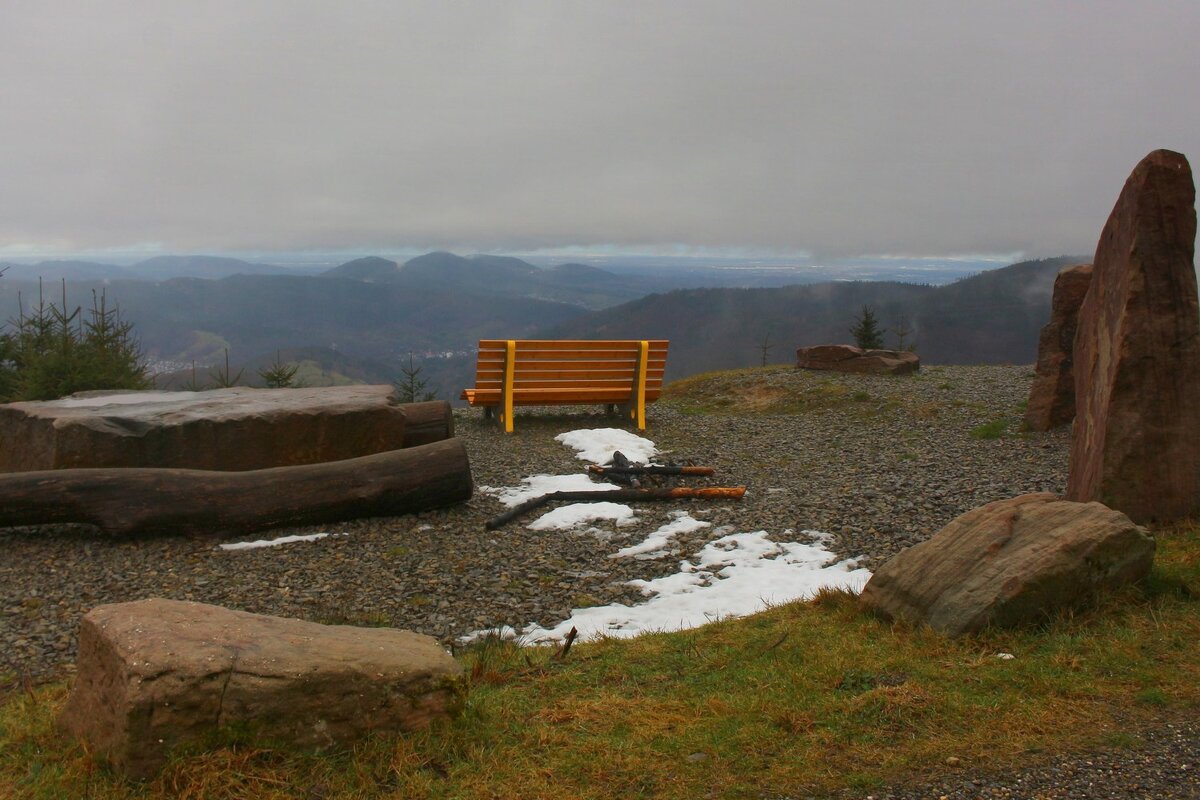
x=765 y=346
x=867 y=333
x=223 y=378
x=279 y=375
x=54 y=351
x=410 y=387
x=902 y=330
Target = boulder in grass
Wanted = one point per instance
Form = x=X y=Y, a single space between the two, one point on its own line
x=848 y=358
x=228 y=430
x=1011 y=563
x=158 y=675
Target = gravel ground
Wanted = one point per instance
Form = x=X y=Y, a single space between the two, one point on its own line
x=879 y=463
x=1165 y=766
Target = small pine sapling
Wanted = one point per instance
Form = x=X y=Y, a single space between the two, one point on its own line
x=223 y=378
x=765 y=346
x=279 y=375
x=410 y=387
x=866 y=332
x=902 y=330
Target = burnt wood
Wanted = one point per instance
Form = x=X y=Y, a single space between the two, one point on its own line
x=677 y=493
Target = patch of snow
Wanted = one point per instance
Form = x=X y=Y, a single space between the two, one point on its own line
x=273 y=542
x=571 y=516
x=656 y=543
x=124 y=399
x=736 y=575
x=538 y=485
x=597 y=445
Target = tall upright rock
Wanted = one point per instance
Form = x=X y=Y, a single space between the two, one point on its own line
x=1052 y=396
x=1136 y=445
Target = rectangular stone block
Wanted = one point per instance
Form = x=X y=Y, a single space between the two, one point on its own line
x=156 y=675
x=232 y=429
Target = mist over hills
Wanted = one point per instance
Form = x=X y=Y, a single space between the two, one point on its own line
x=362 y=318
x=994 y=317
x=157 y=268
x=503 y=276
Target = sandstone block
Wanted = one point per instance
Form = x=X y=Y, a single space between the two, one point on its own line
x=848 y=358
x=155 y=675
x=1010 y=563
x=1052 y=395
x=222 y=429
x=1136 y=444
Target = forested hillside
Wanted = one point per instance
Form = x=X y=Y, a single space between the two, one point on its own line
x=993 y=317
x=366 y=316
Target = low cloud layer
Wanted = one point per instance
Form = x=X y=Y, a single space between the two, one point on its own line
x=835 y=128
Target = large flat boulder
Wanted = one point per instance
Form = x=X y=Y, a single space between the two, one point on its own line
x=222 y=429
x=1010 y=563
x=1136 y=446
x=156 y=675
x=1052 y=395
x=848 y=358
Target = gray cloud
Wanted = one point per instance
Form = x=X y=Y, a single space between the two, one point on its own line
x=838 y=128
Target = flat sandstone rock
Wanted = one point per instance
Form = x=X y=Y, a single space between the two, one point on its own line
x=155 y=675
x=1009 y=563
x=222 y=429
x=848 y=358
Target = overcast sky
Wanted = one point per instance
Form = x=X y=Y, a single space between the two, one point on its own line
x=838 y=128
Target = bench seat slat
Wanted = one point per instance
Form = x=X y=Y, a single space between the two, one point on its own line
x=579 y=373
x=534 y=345
x=543 y=397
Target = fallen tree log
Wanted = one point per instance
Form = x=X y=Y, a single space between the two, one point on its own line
x=427 y=422
x=677 y=493
x=141 y=500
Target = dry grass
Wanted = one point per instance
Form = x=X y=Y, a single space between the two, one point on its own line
x=777 y=390
x=807 y=697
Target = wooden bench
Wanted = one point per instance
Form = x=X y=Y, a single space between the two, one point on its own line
x=531 y=372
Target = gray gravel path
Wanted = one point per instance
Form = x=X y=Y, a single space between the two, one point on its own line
x=879 y=463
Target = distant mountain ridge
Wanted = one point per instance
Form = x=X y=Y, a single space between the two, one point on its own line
x=505 y=276
x=993 y=317
x=371 y=269
x=373 y=310
x=158 y=268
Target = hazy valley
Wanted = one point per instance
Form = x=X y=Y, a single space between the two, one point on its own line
x=359 y=320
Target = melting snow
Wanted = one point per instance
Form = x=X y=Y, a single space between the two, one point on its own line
x=571 y=516
x=656 y=543
x=598 y=445
x=733 y=576
x=538 y=485
x=273 y=542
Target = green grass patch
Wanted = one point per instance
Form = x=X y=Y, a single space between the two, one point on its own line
x=806 y=698
x=990 y=430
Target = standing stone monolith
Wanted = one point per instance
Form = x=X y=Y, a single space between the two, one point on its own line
x=1136 y=446
x=1052 y=395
